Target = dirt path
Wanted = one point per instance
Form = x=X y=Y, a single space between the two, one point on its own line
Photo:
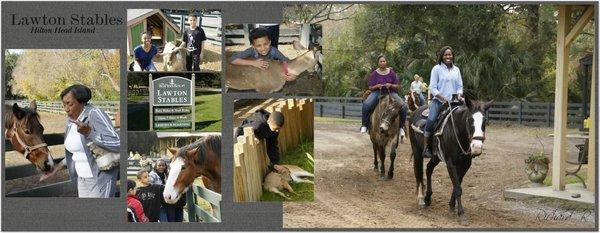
x=349 y=194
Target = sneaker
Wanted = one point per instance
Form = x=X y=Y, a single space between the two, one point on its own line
x=363 y=129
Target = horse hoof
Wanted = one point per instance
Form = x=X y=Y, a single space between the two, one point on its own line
x=421 y=202
x=389 y=177
x=383 y=178
x=463 y=221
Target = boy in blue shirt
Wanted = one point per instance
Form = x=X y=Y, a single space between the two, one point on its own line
x=260 y=53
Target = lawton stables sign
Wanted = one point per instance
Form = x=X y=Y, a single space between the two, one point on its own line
x=172 y=103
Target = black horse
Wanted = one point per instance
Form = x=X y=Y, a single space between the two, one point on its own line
x=384 y=127
x=456 y=142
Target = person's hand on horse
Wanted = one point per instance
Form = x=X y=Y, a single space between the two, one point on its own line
x=387 y=85
x=49 y=174
x=261 y=64
x=290 y=77
x=83 y=128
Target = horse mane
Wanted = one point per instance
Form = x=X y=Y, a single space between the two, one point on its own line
x=208 y=143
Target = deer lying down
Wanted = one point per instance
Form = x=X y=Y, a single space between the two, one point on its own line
x=270 y=80
x=275 y=182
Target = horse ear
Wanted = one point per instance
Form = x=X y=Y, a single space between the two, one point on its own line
x=17 y=111
x=487 y=105
x=469 y=103
x=192 y=153
x=172 y=151
x=33 y=105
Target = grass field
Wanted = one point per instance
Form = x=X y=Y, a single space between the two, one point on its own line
x=301 y=156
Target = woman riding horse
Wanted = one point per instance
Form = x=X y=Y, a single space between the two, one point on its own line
x=445 y=81
x=383 y=80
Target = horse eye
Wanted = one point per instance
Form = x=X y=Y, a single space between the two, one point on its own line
x=183 y=167
x=27 y=131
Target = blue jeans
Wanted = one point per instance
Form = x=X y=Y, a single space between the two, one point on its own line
x=372 y=101
x=434 y=111
x=163 y=214
x=174 y=213
x=421 y=99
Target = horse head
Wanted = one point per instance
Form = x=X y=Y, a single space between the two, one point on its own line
x=202 y=157
x=390 y=113
x=476 y=122
x=25 y=132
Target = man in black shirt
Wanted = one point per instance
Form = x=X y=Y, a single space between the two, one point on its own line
x=265 y=126
x=193 y=39
x=150 y=195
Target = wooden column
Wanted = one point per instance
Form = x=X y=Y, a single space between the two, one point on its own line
x=559 y=151
x=591 y=167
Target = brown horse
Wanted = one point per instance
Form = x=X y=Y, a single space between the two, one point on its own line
x=384 y=128
x=413 y=101
x=25 y=132
x=201 y=158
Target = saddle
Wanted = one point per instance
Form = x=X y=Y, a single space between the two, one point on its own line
x=440 y=121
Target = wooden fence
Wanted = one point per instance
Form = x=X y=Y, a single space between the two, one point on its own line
x=525 y=113
x=110 y=107
x=197 y=213
x=238 y=34
x=250 y=158
x=61 y=188
x=209 y=22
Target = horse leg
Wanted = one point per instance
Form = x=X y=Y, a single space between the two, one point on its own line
x=430 y=166
x=375 y=164
x=456 y=191
x=418 y=170
x=381 y=150
x=392 y=159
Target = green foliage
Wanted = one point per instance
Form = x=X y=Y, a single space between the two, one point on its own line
x=43 y=74
x=505 y=52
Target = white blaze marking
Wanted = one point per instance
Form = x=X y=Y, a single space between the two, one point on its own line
x=170 y=194
x=477 y=145
x=478 y=122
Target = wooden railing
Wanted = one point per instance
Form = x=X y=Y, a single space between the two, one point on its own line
x=250 y=154
x=197 y=213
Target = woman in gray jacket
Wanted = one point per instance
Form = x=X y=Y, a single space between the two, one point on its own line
x=88 y=130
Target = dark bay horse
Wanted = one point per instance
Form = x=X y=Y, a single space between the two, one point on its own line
x=461 y=139
x=201 y=158
x=25 y=132
x=385 y=127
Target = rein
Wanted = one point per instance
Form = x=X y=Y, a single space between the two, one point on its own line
x=28 y=149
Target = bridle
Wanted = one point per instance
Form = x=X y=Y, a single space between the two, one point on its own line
x=28 y=149
x=471 y=138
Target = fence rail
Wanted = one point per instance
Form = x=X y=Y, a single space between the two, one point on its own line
x=110 y=107
x=526 y=113
x=197 y=213
x=239 y=36
x=250 y=158
x=22 y=171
